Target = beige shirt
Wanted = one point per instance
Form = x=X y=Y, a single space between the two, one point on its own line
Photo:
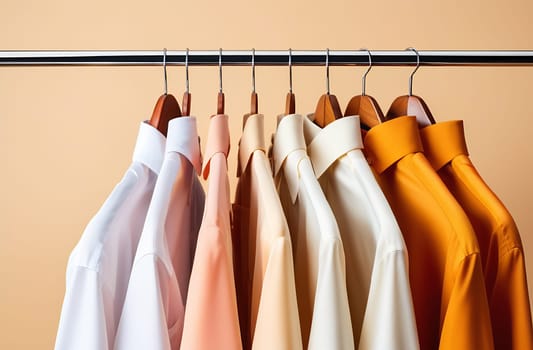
x=264 y=269
x=318 y=252
x=379 y=293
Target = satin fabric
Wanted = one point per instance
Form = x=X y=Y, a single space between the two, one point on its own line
x=377 y=271
x=153 y=312
x=264 y=270
x=502 y=253
x=319 y=260
x=445 y=268
x=211 y=316
x=99 y=266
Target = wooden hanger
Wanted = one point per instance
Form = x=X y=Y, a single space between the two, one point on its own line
x=327 y=109
x=186 y=102
x=365 y=106
x=166 y=107
x=220 y=97
x=253 y=98
x=411 y=104
x=290 y=100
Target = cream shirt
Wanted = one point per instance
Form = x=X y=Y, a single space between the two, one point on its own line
x=99 y=266
x=318 y=251
x=264 y=268
x=379 y=293
x=153 y=312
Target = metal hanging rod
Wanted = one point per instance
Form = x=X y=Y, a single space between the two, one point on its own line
x=266 y=58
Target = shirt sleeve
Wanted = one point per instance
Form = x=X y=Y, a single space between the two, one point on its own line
x=145 y=321
x=278 y=323
x=466 y=318
x=83 y=323
x=511 y=316
x=389 y=321
x=331 y=327
x=211 y=317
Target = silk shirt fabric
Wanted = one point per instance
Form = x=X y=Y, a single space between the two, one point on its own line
x=153 y=312
x=318 y=251
x=99 y=266
x=501 y=249
x=211 y=316
x=263 y=251
x=445 y=271
x=376 y=257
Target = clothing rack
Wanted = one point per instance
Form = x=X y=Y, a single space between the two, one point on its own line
x=266 y=57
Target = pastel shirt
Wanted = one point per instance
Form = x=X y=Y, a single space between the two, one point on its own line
x=153 y=312
x=264 y=268
x=319 y=260
x=211 y=316
x=379 y=293
x=99 y=266
x=445 y=270
x=502 y=253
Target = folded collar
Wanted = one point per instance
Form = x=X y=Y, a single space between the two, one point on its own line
x=150 y=147
x=443 y=141
x=218 y=140
x=252 y=139
x=389 y=142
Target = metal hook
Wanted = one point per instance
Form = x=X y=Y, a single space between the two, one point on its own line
x=165 y=69
x=368 y=70
x=187 y=70
x=253 y=70
x=290 y=70
x=220 y=68
x=413 y=73
x=327 y=70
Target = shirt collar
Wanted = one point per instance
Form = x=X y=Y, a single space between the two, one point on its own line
x=288 y=149
x=443 y=142
x=150 y=147
x=183 y=139
x=326 y=145
x=252 y=139
x=218 y=140
x=389 y=142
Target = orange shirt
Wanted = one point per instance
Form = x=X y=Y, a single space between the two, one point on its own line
x=501 y=249
x=445 y=271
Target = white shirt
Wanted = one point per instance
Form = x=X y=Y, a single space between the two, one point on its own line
x=379 y=293
x=152 y=317
x=99 y=266
x=320 y=270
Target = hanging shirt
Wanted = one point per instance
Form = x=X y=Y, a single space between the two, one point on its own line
x=99 y=266
x=379 y=293
x=318 y=252
x=211 y=317
x=264 y=267
x=501 y=249
x=153 y=312
x=445 y=271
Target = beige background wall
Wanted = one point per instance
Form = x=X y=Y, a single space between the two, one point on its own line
x=66 y=134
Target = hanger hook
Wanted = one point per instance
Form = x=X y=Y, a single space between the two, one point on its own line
x=290 y=70
x=253 y=70
x=165 y=69
x=413 y=73
x=220 y=68
x=187 y=70
x=327 y=71
x=367 y=71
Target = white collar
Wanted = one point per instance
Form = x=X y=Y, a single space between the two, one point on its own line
x=150 y=147
x=183 y=139
x=326 y=145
